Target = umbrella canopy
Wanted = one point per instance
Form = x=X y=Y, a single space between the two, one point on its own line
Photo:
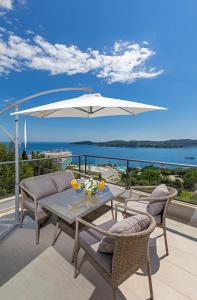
x=89 y=105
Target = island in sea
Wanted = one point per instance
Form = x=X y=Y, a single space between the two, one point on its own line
x=179 y=143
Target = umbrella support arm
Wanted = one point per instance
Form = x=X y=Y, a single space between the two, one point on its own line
x=16 y=139
x=9 y=135
x=127 y=111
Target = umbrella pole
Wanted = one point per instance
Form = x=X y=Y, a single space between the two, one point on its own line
x=16 y=139
x=16 y=167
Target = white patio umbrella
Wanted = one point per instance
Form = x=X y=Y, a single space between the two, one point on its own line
x=88 y=106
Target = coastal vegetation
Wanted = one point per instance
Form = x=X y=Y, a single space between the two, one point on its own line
x=183 y=179
x=27 y=168
x=181 y=143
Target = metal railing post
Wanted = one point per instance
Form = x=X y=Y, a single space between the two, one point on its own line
x=85 y=162
x=79 y=163
x=127 y=174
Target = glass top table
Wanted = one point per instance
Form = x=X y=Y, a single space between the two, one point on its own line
x=70 y=204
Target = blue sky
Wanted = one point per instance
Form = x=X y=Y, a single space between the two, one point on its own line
x=139 y=50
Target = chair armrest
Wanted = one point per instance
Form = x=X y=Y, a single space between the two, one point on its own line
x=137 y=199
x=23 y=189
x=152 y=199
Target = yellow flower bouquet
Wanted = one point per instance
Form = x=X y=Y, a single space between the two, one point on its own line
x=90 y=186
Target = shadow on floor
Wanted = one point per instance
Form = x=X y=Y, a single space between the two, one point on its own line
x=182 y=234
x=19 y=249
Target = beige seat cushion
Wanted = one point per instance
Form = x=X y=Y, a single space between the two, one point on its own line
x=138 y=205
x=90 y=239
x=142 y=206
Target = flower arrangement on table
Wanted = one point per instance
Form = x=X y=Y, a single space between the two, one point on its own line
x=90 y=186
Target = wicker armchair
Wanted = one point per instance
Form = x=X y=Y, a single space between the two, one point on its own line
x=131 y=252
x=141 y=204
x=30 y=203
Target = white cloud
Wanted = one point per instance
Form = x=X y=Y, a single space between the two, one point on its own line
x=6 y=4
x=125 y=62
x=2 y=29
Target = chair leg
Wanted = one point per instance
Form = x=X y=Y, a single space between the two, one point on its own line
x=113 y=294
x=37 y=232
x=21 y=216
x=150 y=279
x=56 y=236
x=166 y=241
x=57 y=233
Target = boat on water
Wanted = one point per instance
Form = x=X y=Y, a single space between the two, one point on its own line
x=189 y=157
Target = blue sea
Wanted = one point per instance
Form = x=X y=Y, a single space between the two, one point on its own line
x=176 y=155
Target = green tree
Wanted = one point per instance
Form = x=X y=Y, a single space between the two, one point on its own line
x=190 y=179
x=27 y=169
x=151 y=175
x=6 y=170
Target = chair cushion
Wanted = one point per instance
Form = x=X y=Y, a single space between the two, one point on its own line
x=41 y=213
x=157 y=208
x=62 y=180
x=143 y=207
x=89 y=239
x=138 y=205
x=158 y=219
x=126 y=226
x=40 y=187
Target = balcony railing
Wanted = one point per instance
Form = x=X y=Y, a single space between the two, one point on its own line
x=121 y=171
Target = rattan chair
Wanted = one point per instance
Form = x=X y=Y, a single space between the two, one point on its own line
x=141 y=204
x=131 y=251
x=31 y=205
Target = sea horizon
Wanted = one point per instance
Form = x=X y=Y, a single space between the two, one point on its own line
x=171 y=155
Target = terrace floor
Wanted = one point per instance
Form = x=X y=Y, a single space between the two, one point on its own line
x=44 y=272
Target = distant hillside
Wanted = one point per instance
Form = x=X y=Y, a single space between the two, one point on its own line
x=144 y=144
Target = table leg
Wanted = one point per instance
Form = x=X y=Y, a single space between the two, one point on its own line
x=57 y=232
